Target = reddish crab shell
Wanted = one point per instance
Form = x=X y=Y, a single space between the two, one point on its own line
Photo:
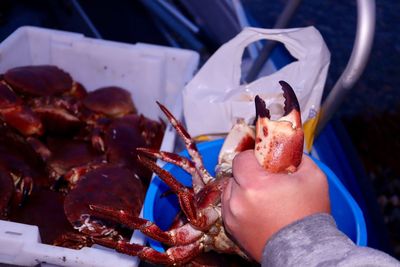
x=67 y=154
x=42 y=80
x=125 y=135
x=18 y=115
x=202 y=229
x=111 y=101
x=58 y=114
x=49 y=103
x=112 y=186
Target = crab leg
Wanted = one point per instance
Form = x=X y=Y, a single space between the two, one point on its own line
x=181 y=235
x=189 y=143
x=279 y=144
x=173 y=256
x=201 y=219
x=177 y=160
x=185 y=196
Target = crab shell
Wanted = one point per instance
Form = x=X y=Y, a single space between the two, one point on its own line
x=111 y=101
x=44 y=80
x=125 y=135
x=35 y=99
x=16 y=114
x=113 y=186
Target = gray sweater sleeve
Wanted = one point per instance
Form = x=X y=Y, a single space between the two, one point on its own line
x=316 y=241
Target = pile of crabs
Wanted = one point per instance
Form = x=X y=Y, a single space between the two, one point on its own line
x=63 y=148
x=92 y=155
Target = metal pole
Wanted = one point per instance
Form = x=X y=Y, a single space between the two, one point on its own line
x=356 y=65
x=282 y=22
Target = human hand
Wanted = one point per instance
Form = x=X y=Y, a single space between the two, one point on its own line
x=257 y=204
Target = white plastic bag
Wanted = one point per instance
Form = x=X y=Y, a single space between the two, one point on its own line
x=214 y=98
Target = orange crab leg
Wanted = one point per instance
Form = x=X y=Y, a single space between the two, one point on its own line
x=189 y=143
x=182 y=235
x=185 y=195
x=201 y=220
x=173 y=256
x=177 y=160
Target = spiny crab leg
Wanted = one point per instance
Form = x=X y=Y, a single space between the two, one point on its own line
x=179 y=236
x=190 y=145
x=202 y=219
x=185 y=163
x=279 y=144
x=173 y=256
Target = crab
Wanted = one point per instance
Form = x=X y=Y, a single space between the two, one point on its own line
x=59 y=141
x=39 y=97
x=34 y=100
x=88 y=172
x=278 y=146
x=124 y=192
x=16 y=114
x=21 y=162
x=102 y=106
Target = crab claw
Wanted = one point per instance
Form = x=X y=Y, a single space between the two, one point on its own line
x=279 y=144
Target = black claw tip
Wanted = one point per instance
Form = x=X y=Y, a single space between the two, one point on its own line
x=291 y=101
x=261 y=109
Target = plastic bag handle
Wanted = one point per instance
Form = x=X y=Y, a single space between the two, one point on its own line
x=241 y=41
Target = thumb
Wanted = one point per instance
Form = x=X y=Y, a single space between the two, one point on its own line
x=245 y=168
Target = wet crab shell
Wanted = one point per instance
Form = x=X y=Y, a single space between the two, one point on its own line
x=109 y=185
x=16 y=114
x=67 y=154
x=111 y=101
x=125 y=135
x=57 y=114
x=41 y=80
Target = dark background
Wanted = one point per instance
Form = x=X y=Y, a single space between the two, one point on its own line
x=370 y=114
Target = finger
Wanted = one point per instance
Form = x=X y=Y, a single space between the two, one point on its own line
x=245 y=167
x=237 y=201
x=225 y=207
x=226 y=194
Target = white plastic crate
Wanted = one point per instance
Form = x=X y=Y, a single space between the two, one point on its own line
x=149 y=72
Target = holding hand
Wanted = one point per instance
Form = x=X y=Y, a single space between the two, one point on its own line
x=257 y=204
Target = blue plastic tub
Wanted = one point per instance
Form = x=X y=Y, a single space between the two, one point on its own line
x=162 y=209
